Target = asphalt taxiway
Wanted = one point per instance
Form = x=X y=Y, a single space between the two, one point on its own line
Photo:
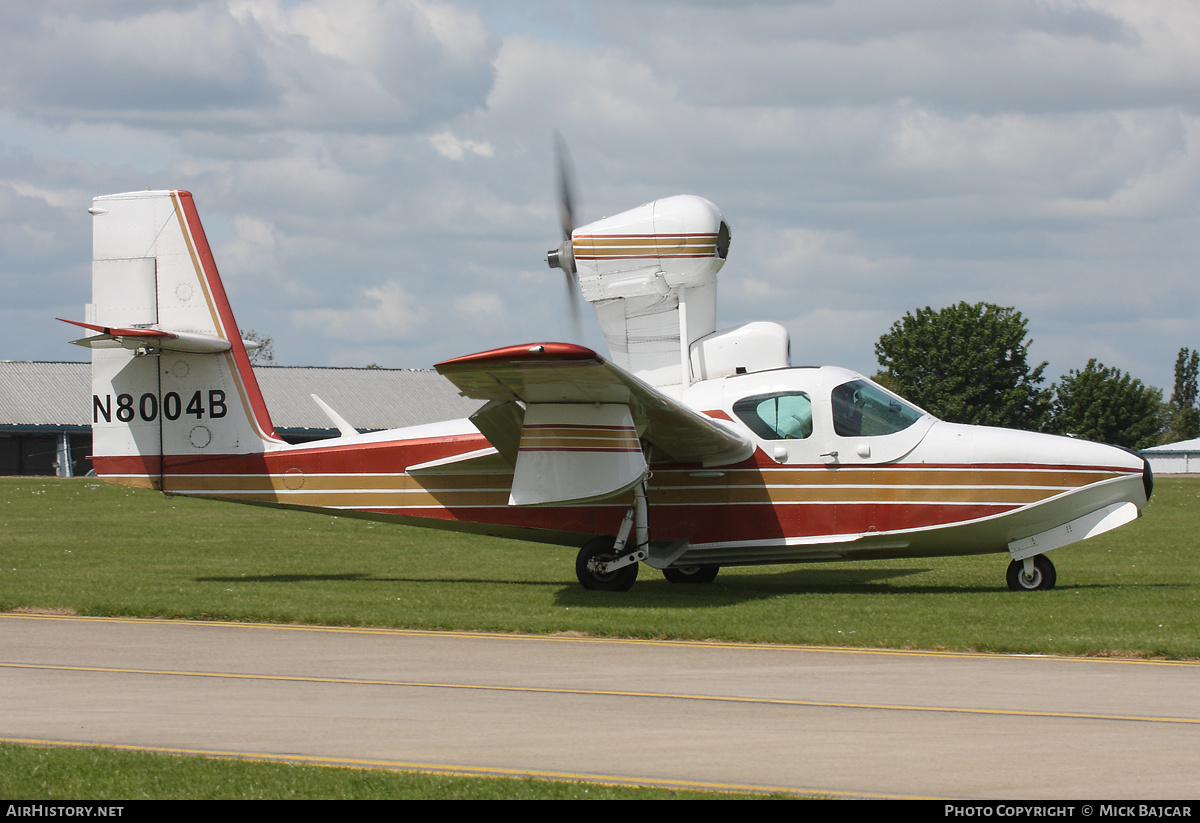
x=849 y=722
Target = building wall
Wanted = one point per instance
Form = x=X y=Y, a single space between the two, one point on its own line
x=1173 y=463
x=43 y=401
x=37 y=453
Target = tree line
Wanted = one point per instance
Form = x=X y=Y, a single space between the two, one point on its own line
x=969 y=364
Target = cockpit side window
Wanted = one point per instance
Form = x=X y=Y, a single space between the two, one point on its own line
x=786 y=416
x=861 y=409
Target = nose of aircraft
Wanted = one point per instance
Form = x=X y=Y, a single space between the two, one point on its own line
x=1147 y=472
x=1096 y=457
x=1119 y=458
x=1091 y=462
x=1147 y=477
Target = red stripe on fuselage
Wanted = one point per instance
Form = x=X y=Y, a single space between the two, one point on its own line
x=360 y=458
x=716 y=522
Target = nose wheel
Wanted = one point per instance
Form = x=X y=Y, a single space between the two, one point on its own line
x=1032 y=574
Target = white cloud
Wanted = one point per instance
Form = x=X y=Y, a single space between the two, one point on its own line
x=250 y=250
x=249 y=64
x=58 y=198
x=453 y=148
x=871 y=157
x=392 y=314
x=480 y=304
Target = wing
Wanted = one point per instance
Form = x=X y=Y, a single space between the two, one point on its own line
x=574 y=424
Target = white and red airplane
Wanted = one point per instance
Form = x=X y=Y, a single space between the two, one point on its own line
x=687 y=450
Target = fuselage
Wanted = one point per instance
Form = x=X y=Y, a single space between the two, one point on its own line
x=841 y=469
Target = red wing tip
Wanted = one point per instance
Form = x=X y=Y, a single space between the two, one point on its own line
x=527 y=352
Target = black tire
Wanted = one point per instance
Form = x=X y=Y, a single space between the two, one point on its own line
x=1043 y=579
x=691 y=574
x=601 y=548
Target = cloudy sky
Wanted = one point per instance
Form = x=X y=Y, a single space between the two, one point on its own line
x=376 y=176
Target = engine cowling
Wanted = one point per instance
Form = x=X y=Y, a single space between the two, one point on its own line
x=651 y=273
x=675 y=242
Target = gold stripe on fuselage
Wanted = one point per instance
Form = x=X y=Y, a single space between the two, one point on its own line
x=950 y=495
x=784 y=486
x=899 y=476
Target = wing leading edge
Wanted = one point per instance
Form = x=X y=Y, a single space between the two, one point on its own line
x=574 y=424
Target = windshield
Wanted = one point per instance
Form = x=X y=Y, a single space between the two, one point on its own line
x=861 y=409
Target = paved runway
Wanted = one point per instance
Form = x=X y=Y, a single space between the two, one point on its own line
x=799 y=719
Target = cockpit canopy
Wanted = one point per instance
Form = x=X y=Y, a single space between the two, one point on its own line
x=860 y=409
x=825 y=415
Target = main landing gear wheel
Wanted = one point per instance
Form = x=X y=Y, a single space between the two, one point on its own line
x=600 y=549
x=1043 y=576
x=691 y=574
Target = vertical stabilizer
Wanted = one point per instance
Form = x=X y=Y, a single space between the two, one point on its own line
x=171 y=381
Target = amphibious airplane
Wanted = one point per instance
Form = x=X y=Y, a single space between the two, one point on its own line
x=687 y=450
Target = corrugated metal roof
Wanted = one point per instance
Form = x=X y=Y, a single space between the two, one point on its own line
x=367 y=398
x=45 y=394
x=59 y=394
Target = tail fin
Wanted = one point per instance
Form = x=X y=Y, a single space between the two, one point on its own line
x=171 y=381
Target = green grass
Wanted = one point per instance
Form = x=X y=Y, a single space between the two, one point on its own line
x=81 y=546
x=49 y=773
x=86 y=547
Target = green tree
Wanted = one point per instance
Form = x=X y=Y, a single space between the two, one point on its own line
x=1107 y=406
x=263 y=352
x=966 y=364
x=1183 y=416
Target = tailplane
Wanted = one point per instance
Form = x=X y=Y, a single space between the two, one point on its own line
x=171 y=380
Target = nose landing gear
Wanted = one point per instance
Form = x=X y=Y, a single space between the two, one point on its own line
x=1031 y=574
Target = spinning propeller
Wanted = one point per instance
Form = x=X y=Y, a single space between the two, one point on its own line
x=564 y=256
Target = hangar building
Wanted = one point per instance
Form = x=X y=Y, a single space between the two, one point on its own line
x=1174 y=458
x=45 y=408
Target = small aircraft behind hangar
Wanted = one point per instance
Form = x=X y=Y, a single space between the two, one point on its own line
x=685 y=450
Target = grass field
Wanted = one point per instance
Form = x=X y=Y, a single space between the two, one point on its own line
x=42 y=773
x=81 y=546
x=86 y=547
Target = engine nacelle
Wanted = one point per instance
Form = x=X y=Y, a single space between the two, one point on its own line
x=651 y=273
x=675 y=242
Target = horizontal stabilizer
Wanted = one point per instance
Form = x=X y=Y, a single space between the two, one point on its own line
x=136 y=338
x=481 y=461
